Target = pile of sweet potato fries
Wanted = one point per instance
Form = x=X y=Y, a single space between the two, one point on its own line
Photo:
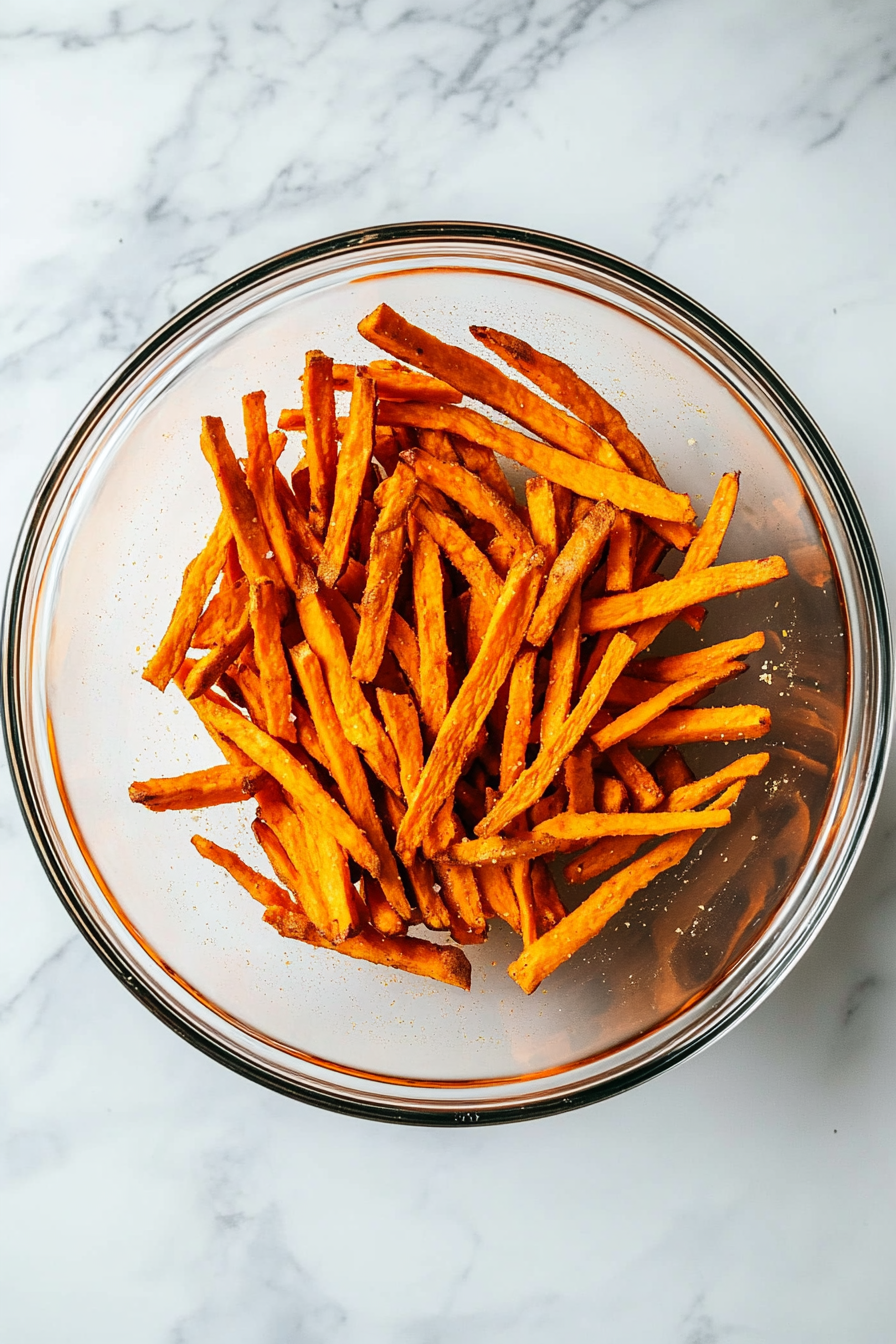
x=430 y=688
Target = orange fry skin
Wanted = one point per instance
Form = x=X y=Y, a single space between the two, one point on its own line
x=570 y=568
x=460 y=549
x=543 y=518
x=639 y=783
x=474 y=699
x=238 y=505
x=584 y=923
x=429 y=610
x=199 y=577
x=359 y=723
x=259 y=887
x=383 y=570
x=679 y=665
x=633 y=720
x=573 y=830
x=348 y=772
x=319 y=423
x=394 y=383
x=476 y=377
x=276 y=686
x=260 y=470
x=266 y=752
x=678 y=726
x=702 y=552
x=533 y=782
x=351 y=466
x=671 y=595
x=564 y=667
x=400 y=952
x=560 y=382
x=200 y=788
x=461 y=485
x=205 y=671
x=622 y=490
x=690 y=793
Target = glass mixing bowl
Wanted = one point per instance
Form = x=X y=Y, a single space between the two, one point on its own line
x=128 y=500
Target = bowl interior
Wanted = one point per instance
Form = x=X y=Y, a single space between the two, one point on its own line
x=134 y=506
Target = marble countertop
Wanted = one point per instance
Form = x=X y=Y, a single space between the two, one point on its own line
x=745 y=153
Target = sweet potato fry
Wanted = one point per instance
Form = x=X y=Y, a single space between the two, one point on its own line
x=381 y=914
x=702 y=790
x=474 y=699
x=563 y=385
x=359 y=723
x=534 y=781
x=276 y=686
x=578 y=775
x=460 y=549
x=401 y=953
x=671 y=770
x=640 y=785
x=621 y=554
x=348 y=772
x=468 y=490
x=384 y=568
x=302 y=885
x=429 y=609
x=678 y=726
x=238 y=505
x=259 y=887
x=199 y=577
x=585 y=922
x=543 y=518
x=549 y=909
x=483 y=463
x=200 y=788
x=324 y=885
x=460 y=894
x=564 y=668
x=519 y=718
x=266 y=752
x=517 y=726
x=606 y=853
x=610 y=613
x=581 y=828
x=583 y=478
x=569 y=569
x=702 y=552
x=260 y=477
x=403 y=727
x=507 y=849
x=432 y=908
x=225 y=610
x=351 y=466
x=475 y=377
x=497 y=890
x=206 y=671
x=393 y=383
x=572 y=830
x=402 y=642
x=636 y=718
x=679 y=665
x=319 y=423
x=610 y=795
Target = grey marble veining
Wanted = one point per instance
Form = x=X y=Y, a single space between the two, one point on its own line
x=745 y=152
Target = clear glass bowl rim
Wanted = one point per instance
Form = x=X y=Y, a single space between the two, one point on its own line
x=871 y=592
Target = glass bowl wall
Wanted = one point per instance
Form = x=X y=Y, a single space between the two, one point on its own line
x=128 y=501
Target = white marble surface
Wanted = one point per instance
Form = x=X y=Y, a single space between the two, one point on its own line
x=744 y=151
